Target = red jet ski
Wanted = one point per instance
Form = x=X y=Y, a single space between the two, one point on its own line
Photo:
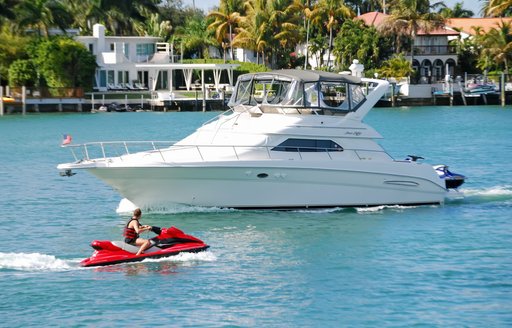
x=169 y=242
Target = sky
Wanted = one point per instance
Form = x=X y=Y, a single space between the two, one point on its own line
x=473 y=5
x=205 y=5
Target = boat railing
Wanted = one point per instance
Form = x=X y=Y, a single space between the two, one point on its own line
x=106 y=149
x=109 y=149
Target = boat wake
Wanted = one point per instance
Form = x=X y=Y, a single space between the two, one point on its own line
x=35 y=262
x=127 y=207
x=187 y=258
x=491 y=194
x=373 y=209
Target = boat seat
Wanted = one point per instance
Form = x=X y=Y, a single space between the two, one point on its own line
x=131 y=248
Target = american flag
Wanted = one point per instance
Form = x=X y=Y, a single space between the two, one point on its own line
x=67 y=139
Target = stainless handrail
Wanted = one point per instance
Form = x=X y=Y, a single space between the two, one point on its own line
x=153 y=147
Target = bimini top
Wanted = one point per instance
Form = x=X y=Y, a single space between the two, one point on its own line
x=295 y=90
x=304 y=76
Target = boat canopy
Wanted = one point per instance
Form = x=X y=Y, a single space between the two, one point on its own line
x=316 y=90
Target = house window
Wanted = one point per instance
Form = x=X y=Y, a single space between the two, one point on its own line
x=126 y=50
x=112 y=47
x=91 y=48
x=103 y=78
x=122 y=77
x=308 y=145
x=145 y=49
x=111 y=77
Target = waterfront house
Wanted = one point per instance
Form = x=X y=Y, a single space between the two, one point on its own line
x=434 y=58
x=144 y=63
x=117 y=57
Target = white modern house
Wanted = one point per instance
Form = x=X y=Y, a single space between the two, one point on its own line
x=142 y=63
x=116 y=57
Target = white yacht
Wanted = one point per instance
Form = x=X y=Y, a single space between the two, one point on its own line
x=292 y=139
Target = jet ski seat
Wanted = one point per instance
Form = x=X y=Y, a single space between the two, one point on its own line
x=131 y=248
x=125 y=246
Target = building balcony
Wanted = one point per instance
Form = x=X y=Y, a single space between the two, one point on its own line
x=434 y=50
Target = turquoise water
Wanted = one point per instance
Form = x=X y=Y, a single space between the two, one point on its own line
x=426 y=266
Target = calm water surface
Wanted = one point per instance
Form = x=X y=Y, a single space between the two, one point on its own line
x=427 y=266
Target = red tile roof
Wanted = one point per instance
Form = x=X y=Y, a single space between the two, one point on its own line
x=376 y=18
x=373 y=18
x=467 y=24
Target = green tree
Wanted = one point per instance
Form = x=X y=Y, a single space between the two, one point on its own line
x=284 y=24
x=154 y=25
x=357 y=41
x=63 y=62
x=7 y=10
x=226 y=21
x=41 y=15
x=457 y=12
x=195 y=37
x=409 y=16
x=22 y=73
x=467 y=55
x=255 y=31
x=498 y=8
x=317 y=46
x=305 y=8
x=396 y=67
x=496 y=47
x=119 y=17
x=330 y=13
x=12 y=47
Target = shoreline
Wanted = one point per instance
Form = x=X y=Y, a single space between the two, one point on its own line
x=145 y=103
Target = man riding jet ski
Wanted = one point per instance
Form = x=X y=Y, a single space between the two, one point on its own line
x=169 y=242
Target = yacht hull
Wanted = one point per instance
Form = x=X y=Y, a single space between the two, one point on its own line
x=276 y=187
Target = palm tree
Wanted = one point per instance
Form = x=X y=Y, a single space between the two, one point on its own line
x=457 y=12
x=195 y=36
x=305 y=7
x=226 y=21
x=356 y=41
x=154 y=25
x=119 y=17
x=496 y=46
x=317 y=46
x=7 y=9
x=498 y=8
x=410 y=16
x=396 y=67
x=330 y=12
x=284 y=25
x=41 y=15
x=254 y=31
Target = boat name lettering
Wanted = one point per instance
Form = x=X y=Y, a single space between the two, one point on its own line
x=354 y=133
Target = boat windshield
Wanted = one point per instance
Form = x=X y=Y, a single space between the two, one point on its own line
x=278 y=91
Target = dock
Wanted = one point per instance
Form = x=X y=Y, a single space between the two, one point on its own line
x=126 y=101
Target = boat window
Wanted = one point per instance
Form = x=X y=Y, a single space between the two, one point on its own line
x=243 y=92
x=271 y=92
x=308 y=145
x=294 y=96
x=334 y=95
x=311 y=93
x=357 y=96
